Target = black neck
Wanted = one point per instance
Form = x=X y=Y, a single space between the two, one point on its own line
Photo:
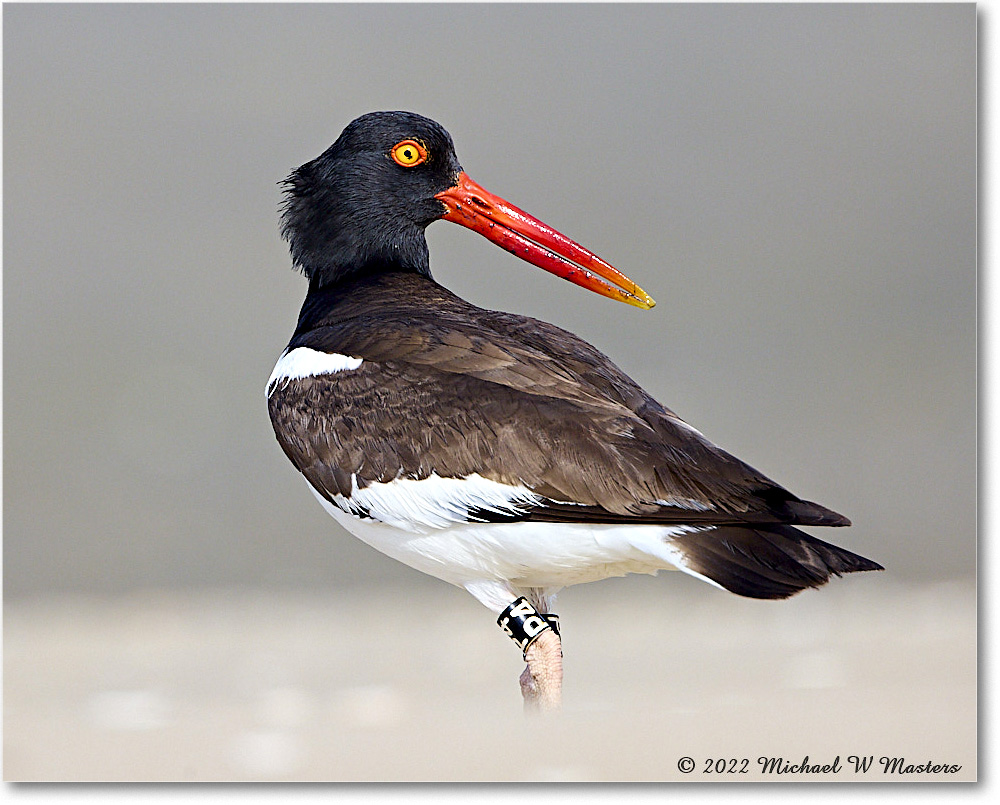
x=328 y=299
x=339 y=259
x=393 y=295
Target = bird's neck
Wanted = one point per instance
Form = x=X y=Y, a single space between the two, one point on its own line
x=339 y=260
x=370 y=296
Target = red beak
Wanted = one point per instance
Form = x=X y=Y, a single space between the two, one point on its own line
x=526 y=237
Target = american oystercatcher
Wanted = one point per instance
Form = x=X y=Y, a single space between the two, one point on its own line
x=497 y=452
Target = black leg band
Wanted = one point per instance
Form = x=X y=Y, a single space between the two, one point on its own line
x=523 y=623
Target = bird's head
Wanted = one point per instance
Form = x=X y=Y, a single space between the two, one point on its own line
x=362 y=207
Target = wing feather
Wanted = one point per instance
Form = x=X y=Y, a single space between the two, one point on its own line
x=513 y=399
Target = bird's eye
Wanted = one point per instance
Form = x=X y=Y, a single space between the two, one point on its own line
x=408 y=153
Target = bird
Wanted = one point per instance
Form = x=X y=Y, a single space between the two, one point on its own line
x=497 y=452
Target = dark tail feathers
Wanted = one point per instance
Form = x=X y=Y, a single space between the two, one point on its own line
x=766 y=561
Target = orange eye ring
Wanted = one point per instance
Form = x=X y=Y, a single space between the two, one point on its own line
x=408 y=153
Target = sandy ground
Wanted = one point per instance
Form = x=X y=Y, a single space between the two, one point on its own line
x=237 y=685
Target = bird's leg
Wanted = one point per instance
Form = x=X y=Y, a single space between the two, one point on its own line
x=537 y=635
x=541 y=680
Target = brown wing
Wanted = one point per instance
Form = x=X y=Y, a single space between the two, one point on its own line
x=513 y=399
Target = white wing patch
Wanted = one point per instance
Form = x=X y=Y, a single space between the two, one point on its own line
x=305 y=362
x=419 y=506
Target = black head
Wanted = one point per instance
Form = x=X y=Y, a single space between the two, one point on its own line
x=362 y=206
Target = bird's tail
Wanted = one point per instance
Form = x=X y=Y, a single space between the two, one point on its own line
x=765 y=561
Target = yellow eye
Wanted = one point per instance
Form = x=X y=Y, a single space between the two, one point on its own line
x=408 y=153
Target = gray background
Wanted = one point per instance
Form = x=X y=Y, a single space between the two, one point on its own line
x=795 y=185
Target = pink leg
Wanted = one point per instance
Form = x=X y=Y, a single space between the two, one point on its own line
x=541 y=681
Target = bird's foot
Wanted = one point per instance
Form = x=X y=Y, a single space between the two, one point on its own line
x=541 y=681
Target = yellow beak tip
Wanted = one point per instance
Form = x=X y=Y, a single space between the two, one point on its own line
x=642 y=300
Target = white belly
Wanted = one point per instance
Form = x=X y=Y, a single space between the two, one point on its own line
x=521 y=555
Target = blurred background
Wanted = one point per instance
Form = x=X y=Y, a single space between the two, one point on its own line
x=795 y=185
